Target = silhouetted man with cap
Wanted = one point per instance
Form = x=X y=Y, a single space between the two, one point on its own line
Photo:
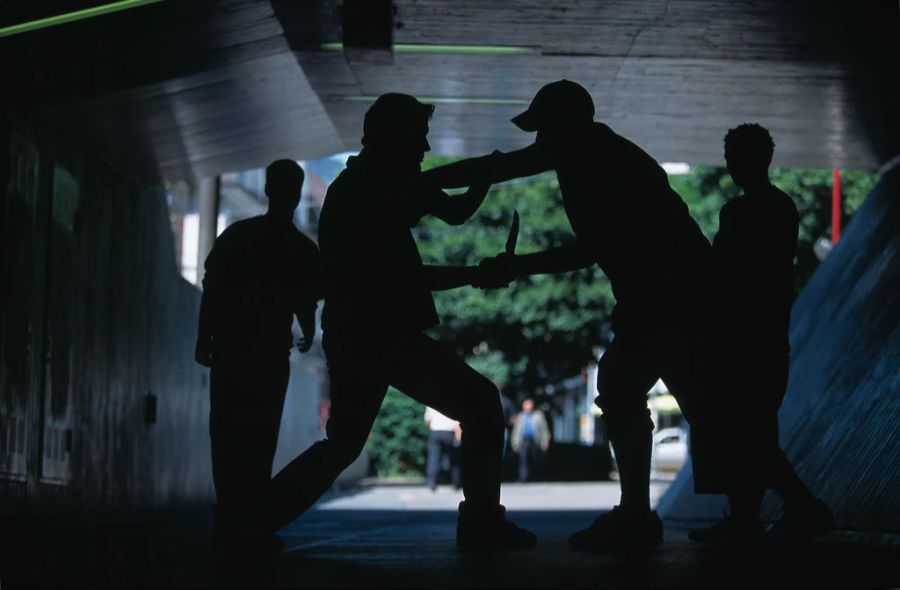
x=260 y=273
x=377 y=305
x=753 y=255
x=627 y=219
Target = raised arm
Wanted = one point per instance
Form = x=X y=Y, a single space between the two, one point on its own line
x=490 y=169
x=556 y=260
x=441 y=278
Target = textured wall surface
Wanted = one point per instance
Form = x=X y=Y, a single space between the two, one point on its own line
x=840 y=422
x=102 y=407
x=107 y=324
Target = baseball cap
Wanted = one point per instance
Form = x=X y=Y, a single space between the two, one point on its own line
x=558 y=103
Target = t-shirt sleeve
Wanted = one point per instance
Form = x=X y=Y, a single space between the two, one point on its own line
x=416 y=199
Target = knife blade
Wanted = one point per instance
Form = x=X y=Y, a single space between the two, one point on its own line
x=513 y=234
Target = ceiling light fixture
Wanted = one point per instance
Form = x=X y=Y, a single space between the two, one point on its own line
x=69 y=17
x=451 y=49
x=444 y=99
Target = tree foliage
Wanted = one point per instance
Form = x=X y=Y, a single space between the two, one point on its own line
x=399 y=441
x=542 y=328
x=706 y=188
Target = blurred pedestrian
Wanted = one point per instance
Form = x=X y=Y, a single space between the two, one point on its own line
x=443 y=447
x=530 y=438
x=509 y=417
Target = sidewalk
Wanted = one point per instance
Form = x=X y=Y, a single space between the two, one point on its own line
x=403 y=536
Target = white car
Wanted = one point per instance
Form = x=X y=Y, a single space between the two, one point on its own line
x=670 y=449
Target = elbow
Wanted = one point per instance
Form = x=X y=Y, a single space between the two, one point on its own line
x=454 y=219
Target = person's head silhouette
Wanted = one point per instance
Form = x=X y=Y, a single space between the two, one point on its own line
x=748 y=154
x=284 y=180
x=558 y=111
x=395 y=130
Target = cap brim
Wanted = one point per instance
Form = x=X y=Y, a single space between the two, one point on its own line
x=526 y=121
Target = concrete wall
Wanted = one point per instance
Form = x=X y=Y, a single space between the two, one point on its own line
x=840 y=422
x=97 y=324
x=301 y=420
x=102 y=408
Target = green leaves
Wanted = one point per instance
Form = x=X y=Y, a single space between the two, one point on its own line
x=398 y=444
x=546 y=325
x=705 y=189
x=541 y=326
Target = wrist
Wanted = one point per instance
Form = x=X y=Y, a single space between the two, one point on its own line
x=515 y=265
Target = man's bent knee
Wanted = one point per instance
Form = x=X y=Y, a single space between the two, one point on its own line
x=342 y=452
x=483 y=410
x=621 y=415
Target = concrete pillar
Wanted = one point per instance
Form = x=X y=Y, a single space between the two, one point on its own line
x=208 y=213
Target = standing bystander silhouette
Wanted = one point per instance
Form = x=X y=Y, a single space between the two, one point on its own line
x=530 y=438
x=754 y=270
x=628 y=220
x=260 y=273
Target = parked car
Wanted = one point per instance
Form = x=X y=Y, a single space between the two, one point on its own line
x=670 y=449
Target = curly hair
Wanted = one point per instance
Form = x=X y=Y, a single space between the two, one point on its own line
x=750 y=143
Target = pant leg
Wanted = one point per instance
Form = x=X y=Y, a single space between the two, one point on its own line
x=694 y=370
x=626 y=372
x=526 y=459
x=455 y=470
x=354 y=407
x=440 y=379
x=433 y=464
x=246 y=403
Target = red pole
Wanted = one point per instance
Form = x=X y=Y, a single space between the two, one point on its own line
x=836 y=205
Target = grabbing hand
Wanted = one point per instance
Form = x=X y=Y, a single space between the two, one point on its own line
x=495 y=272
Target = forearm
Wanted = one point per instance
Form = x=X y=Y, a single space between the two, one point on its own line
x=556 y=260
x=463 y=173
x=490 y=169
x=441 y=278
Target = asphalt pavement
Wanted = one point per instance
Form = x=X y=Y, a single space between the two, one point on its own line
x=403 y=537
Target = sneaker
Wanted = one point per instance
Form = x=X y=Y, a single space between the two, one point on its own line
x=620 y=531
x=731 y=531
x=490 y=531
x=799 y=525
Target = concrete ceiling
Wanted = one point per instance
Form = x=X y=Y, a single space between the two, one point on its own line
x=217 y=86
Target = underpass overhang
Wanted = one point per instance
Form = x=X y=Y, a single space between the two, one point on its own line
x=197 y=89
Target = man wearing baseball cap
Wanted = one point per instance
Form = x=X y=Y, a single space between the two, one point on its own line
x=627 y=219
